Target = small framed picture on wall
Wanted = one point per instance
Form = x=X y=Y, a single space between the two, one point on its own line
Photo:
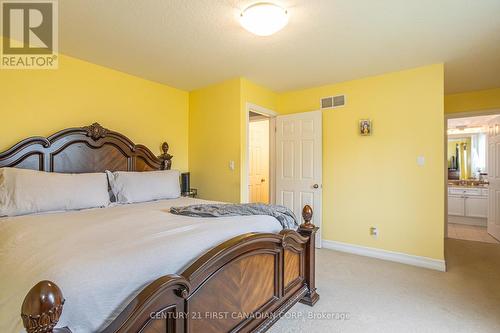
x=365 y=127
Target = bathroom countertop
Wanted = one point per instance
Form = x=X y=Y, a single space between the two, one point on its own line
x=468 y=186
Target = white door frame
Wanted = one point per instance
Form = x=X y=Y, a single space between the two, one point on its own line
x=250 y=107
x=467 y=114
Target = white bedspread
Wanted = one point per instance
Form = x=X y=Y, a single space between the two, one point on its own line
x=102 y=258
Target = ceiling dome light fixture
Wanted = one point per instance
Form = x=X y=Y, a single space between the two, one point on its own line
x=264 y=18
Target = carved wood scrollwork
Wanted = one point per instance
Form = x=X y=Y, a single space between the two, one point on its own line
x=42 y=308
x=43 y=323
x=292 y=239
x=182 y=292
x=91 y=148
x=96 y=131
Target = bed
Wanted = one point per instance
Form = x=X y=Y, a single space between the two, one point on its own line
x=88 y=272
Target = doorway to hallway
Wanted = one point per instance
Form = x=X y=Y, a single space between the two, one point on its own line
x=259 y=164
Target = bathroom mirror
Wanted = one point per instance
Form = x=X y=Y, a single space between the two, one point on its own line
x=467 y=155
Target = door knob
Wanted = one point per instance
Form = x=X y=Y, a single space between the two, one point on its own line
x=315 y=186
x=262 y=180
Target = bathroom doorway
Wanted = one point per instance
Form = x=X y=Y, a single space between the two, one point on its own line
x=470 y=154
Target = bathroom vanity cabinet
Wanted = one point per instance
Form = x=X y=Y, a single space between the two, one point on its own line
x=468 y=205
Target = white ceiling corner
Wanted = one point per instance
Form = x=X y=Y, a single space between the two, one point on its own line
x=192 y=43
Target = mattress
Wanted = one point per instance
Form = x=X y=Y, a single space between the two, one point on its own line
x=102 y=258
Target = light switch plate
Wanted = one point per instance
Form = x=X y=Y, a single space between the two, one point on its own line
x=420 y=160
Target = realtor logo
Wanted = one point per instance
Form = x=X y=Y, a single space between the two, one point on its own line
x=29 y=30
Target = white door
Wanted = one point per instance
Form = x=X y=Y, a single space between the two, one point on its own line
x=299 y=164
x=258 y=186
x=494 y=178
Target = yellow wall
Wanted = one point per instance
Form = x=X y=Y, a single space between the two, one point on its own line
x=367 y=180
x=472 y=101
x=41 y=102
x=258 y=95
x=218 y=135
x=214 y=140
x=375 y=180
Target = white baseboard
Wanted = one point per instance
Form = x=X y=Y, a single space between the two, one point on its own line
x=403 y=258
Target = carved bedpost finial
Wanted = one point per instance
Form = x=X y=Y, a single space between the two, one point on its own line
x=166 y=158
x=96 y=131
x=42 y=307
x=307 y=214
x=307 y=229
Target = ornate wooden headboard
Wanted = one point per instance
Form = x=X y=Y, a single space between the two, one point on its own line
x=85 y=149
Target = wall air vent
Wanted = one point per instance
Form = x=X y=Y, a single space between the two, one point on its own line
x=332 y=102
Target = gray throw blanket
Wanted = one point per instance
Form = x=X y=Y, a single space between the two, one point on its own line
x=285 y=216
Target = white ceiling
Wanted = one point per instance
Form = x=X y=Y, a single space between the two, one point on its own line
x=192 y=43
x=478 y=121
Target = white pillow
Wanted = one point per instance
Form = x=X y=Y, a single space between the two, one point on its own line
x=29 y=191
x=130 y=187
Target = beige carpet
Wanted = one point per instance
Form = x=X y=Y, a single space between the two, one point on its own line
x=381 y=296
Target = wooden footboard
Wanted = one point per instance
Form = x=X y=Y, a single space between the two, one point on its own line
x=243 y=285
